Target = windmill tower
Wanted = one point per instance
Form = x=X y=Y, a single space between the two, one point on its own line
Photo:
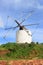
x=23 y=35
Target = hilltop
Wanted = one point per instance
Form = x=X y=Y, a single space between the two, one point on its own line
x=14 y=51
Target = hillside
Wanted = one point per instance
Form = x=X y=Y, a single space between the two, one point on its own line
x=12 y=51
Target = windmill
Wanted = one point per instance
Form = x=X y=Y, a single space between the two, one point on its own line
x=23 y=35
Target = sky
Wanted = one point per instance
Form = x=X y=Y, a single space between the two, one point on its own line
x=19 y=10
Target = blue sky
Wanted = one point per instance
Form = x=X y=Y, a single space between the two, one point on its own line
x=19 y=9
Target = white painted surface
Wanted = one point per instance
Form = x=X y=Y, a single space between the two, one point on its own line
x=23 y=36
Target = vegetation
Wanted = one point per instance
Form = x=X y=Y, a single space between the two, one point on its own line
x=21 y=51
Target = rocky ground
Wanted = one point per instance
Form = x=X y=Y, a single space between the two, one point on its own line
x=22 y=62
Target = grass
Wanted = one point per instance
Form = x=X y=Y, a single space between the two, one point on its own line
x=22 y=51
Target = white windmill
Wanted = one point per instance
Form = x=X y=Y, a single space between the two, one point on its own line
x=23 y=35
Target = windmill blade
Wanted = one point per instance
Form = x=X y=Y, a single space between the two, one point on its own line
x=14 y=20
x=11 y=28
x=31 y=24
x=17 y=22
x=7 y=34
x=27 y=16
x=15 y=26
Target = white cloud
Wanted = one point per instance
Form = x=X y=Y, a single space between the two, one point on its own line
x=40 y=6
x=21 y=4
x=1 y=23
